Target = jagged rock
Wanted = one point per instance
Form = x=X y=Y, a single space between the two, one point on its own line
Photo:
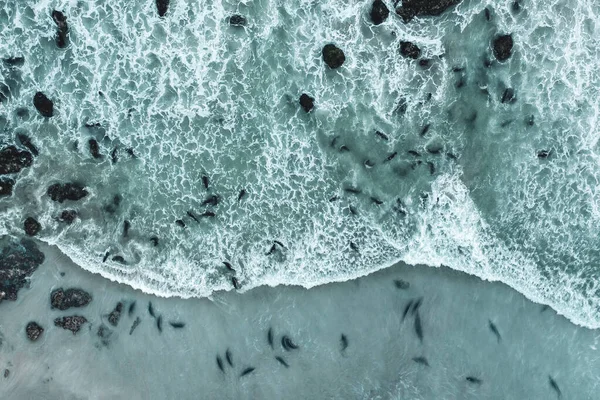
x=237 y=20
x=502 y=46
x=13 y=160
x=66 y=191
x=65 y=299
x=115 y=314
x=18 y=260
x=67 y=216
x=162 y=6
x=379 y=12
x=412 y=8
x=410 y=50
x=43 y=104
x=6 y=186
x=333 y=56
x=72 y=323
x=33 y=331
x=307 y=102
x=31 y=226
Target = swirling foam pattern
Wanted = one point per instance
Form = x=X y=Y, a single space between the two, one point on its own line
x=192 y=96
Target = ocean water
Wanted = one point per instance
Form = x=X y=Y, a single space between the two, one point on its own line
x=378 y=362
x=187 y=95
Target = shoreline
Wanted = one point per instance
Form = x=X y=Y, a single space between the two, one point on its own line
x=379 y=361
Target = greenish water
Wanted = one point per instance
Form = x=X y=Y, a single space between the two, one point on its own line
x=193 y=96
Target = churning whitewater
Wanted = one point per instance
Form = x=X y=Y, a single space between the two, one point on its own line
x=174 y=154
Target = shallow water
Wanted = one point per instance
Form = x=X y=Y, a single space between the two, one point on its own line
x=377 y=364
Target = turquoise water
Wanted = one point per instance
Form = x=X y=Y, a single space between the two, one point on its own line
x=193 y=96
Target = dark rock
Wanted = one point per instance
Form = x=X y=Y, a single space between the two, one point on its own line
x=31 y=226
x=66 y=191
x=33 y=331
x=18 y=260
x=72 y=323
x=508 y=96
x=14 y=61
x=26 y=141
x=412 y=8
x=43 y=104
x=67 y=216
x=237 y=20
x=502 y=46
x=410 y=50
x=115 y=314
x=6 y=186
x=162 y=6
x=13 y=160
x=379 y=12
x=333 y=56
x=307 y=102
x=65 y=299
x=94 y=148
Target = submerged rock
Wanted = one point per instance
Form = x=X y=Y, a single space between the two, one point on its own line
x=115 y=314
x=14 y=61
x=31 y=226
x=412 y=8
x=333 y=56
x=13 y=160
x=18 y=260
x=307 y=102
x=33 y=331
x=379 y=12
x=66 y=191
x=43 y=104
x=162 y=7
x=410 y=50
x=502 y=46
x=65 y=299
x=26 y=141
x=67 y=216
x=72 y=323
x=6 y=186
x=237 y=20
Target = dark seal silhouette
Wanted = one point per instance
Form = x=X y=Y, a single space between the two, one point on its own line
x=43 y=104
x=333 y=56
